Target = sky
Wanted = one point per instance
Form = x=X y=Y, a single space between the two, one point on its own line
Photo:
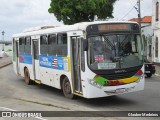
x=17 y=15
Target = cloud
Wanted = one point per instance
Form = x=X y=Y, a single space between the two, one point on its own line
x=11 y=8
x=17 y=15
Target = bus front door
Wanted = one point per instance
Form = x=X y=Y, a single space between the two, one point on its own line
x=35 y=56
x=75 y=59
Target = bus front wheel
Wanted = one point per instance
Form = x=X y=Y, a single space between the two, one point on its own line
x=27 y=77
x=67 y=88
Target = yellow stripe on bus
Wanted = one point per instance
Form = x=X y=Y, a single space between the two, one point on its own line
x=128 y=80
x=69 y=63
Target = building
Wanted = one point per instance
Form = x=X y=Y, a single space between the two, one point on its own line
x=147 y=34
x=156 y=31
x=146 y=20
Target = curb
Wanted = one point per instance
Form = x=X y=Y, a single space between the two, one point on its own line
x=157 y=75
x=5 y=62
x=2 y=66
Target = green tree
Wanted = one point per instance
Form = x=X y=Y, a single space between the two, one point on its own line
x=73 y=11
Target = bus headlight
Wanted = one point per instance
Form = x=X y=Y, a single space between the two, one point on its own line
x=94 y=83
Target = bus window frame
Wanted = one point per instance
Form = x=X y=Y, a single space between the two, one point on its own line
x=44 y=45
x=54 y=45
x=27 y=45
x=22 y=45
x=62 y=45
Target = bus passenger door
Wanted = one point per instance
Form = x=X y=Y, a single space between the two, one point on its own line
x=75 y=59
x=35 y=56
x=16 y=56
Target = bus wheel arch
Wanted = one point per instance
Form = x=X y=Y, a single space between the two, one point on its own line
x=25 y=68
x=66 y=87
x=61 y=80
x=27 y=76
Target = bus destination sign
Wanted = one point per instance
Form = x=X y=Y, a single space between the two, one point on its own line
x=113 y=27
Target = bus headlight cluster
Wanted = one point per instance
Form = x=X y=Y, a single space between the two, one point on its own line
x=94 y=83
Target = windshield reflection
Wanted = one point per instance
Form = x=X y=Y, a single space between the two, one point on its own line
x=115 y=51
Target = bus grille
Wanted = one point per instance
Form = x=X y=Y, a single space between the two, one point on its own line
x=119 y=76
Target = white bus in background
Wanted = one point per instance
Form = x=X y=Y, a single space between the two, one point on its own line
x=90 y=59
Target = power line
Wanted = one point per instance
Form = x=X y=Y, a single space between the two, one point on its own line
x=131 y=3
x=128 y=12
x=133 y=6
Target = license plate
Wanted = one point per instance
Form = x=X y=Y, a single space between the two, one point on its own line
x=147 y=71
x=106 y=65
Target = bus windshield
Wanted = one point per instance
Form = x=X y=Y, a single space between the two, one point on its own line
x=115 y=51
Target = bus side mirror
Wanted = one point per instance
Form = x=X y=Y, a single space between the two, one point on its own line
x=85 y=45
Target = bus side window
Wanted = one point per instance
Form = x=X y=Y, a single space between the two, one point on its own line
x=28 y=45
x=52 y=44
x=21 y=45
x=62 y=39
x=62 y=44
x=44 y=45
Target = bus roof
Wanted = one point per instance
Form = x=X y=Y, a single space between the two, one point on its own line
x=64 y=28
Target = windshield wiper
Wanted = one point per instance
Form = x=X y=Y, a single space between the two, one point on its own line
x=122 y=43
x=124 y=40
x=109 y=43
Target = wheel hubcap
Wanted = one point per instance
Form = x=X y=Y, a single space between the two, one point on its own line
x=67 y=88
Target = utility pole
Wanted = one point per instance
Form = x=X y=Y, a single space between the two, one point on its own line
x=3 y=40
x=139 y=12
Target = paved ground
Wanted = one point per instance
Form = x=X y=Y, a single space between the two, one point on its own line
x=16 y=95
x=157 y=70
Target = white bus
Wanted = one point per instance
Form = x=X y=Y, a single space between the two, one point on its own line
x=89 y=59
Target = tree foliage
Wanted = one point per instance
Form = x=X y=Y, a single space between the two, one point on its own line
x=73 y=11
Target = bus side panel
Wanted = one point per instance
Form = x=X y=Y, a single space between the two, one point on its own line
x=44 y=75
x=30 y=68
x=52 y=68
x=26 y=62
x=57 y=75
x=51 y=77
x=84 y=77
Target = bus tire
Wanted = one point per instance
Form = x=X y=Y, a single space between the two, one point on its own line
x=66 y=87
x=27 y=79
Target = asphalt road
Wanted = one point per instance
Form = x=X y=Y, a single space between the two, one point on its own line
x=16 y=95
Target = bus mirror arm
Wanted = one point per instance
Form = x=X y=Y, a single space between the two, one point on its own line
x=85 y=44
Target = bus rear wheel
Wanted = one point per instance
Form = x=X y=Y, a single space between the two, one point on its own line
x=27 y=77
x=67 y=88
